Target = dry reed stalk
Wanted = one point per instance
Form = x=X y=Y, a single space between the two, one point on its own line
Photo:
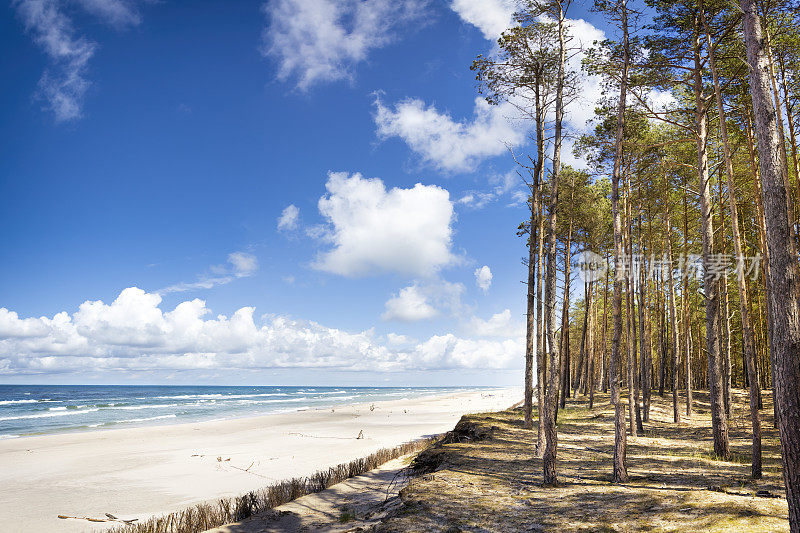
x=209 y=515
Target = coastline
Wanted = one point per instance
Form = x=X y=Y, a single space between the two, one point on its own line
x=141 y=471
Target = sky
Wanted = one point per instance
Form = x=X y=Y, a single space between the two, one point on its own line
x=298 y=192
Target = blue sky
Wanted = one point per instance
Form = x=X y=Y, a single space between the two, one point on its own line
x=227 y=192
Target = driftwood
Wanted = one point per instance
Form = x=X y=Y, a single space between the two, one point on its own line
x=111 y=518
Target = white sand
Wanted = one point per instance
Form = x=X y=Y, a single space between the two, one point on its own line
x=138 y=472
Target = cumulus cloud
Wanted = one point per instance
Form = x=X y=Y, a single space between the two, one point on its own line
x=409 y=305
x=319 y=41
x=64 y=84
x=374 y=230
x=239 y=265
x=449 y=351
x=133 y=333
x=424 y=301
x=448 y=144
x=491 y=17
x=499 y=325
x=483 y=278
x=289 y=218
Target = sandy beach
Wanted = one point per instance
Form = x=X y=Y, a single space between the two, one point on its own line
x=138 y=472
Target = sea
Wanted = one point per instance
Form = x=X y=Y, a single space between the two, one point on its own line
x=27 y=410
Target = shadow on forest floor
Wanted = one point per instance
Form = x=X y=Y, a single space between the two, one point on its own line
x=677 y=484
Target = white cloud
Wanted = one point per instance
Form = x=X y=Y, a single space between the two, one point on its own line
x=449 y=351
x=240 y=265
x=322 y=40
x=499 y=325
x=409 y=305
x=424 y=301
x=64 y=85
x=491 y=17
x=372 y=230
x=289 y=218
x=500 y=185
x=483 y=278
x=118 y=13
x=133 y=333
x=244 y=264
x=449 y=144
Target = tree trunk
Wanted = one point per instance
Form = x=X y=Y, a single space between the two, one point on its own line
x=620 y=471
x=533 y=342
x=748 y=347
x=590 y=381
x=604 y=361
x=635 y=412
x=644 y=373
x=687 y=329
x=579 y=380
x=784 y=283
x=541 y=353
x=673 y=316
x=549 y=466
x=565 y=346
x=530 y=339
x=762 y=237
x=719 y=421
x=661 y=325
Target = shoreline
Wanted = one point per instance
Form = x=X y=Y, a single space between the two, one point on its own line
x=151 y=470
x=311 y=396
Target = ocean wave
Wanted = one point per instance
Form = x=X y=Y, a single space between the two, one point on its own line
x=48 y=414
x=218 y=396
x=144 y=406
x=327 y=398
x=143 y=419
x=260 y=402
x=15 y=402
x=8 y=436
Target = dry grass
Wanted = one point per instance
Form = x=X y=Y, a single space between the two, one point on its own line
x=676 y=482
x=214 y=514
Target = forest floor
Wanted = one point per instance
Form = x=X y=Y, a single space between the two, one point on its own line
x=676 y=484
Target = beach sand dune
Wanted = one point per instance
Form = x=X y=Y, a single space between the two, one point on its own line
x=138 y=472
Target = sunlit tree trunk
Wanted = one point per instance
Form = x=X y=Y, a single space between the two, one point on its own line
x=784 y=300
x=673 y=316
x=620 y=471
x=604 y=354
x=549 y=466
x=687 y=329
x=644 y=373
x=719 y=421
x=579 y=375
x=541 y=353
x=565 y=347
x=530 y=337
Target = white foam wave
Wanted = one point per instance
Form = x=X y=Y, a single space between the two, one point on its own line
x=144 y=419
x=49 y=414
x=218 y=396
